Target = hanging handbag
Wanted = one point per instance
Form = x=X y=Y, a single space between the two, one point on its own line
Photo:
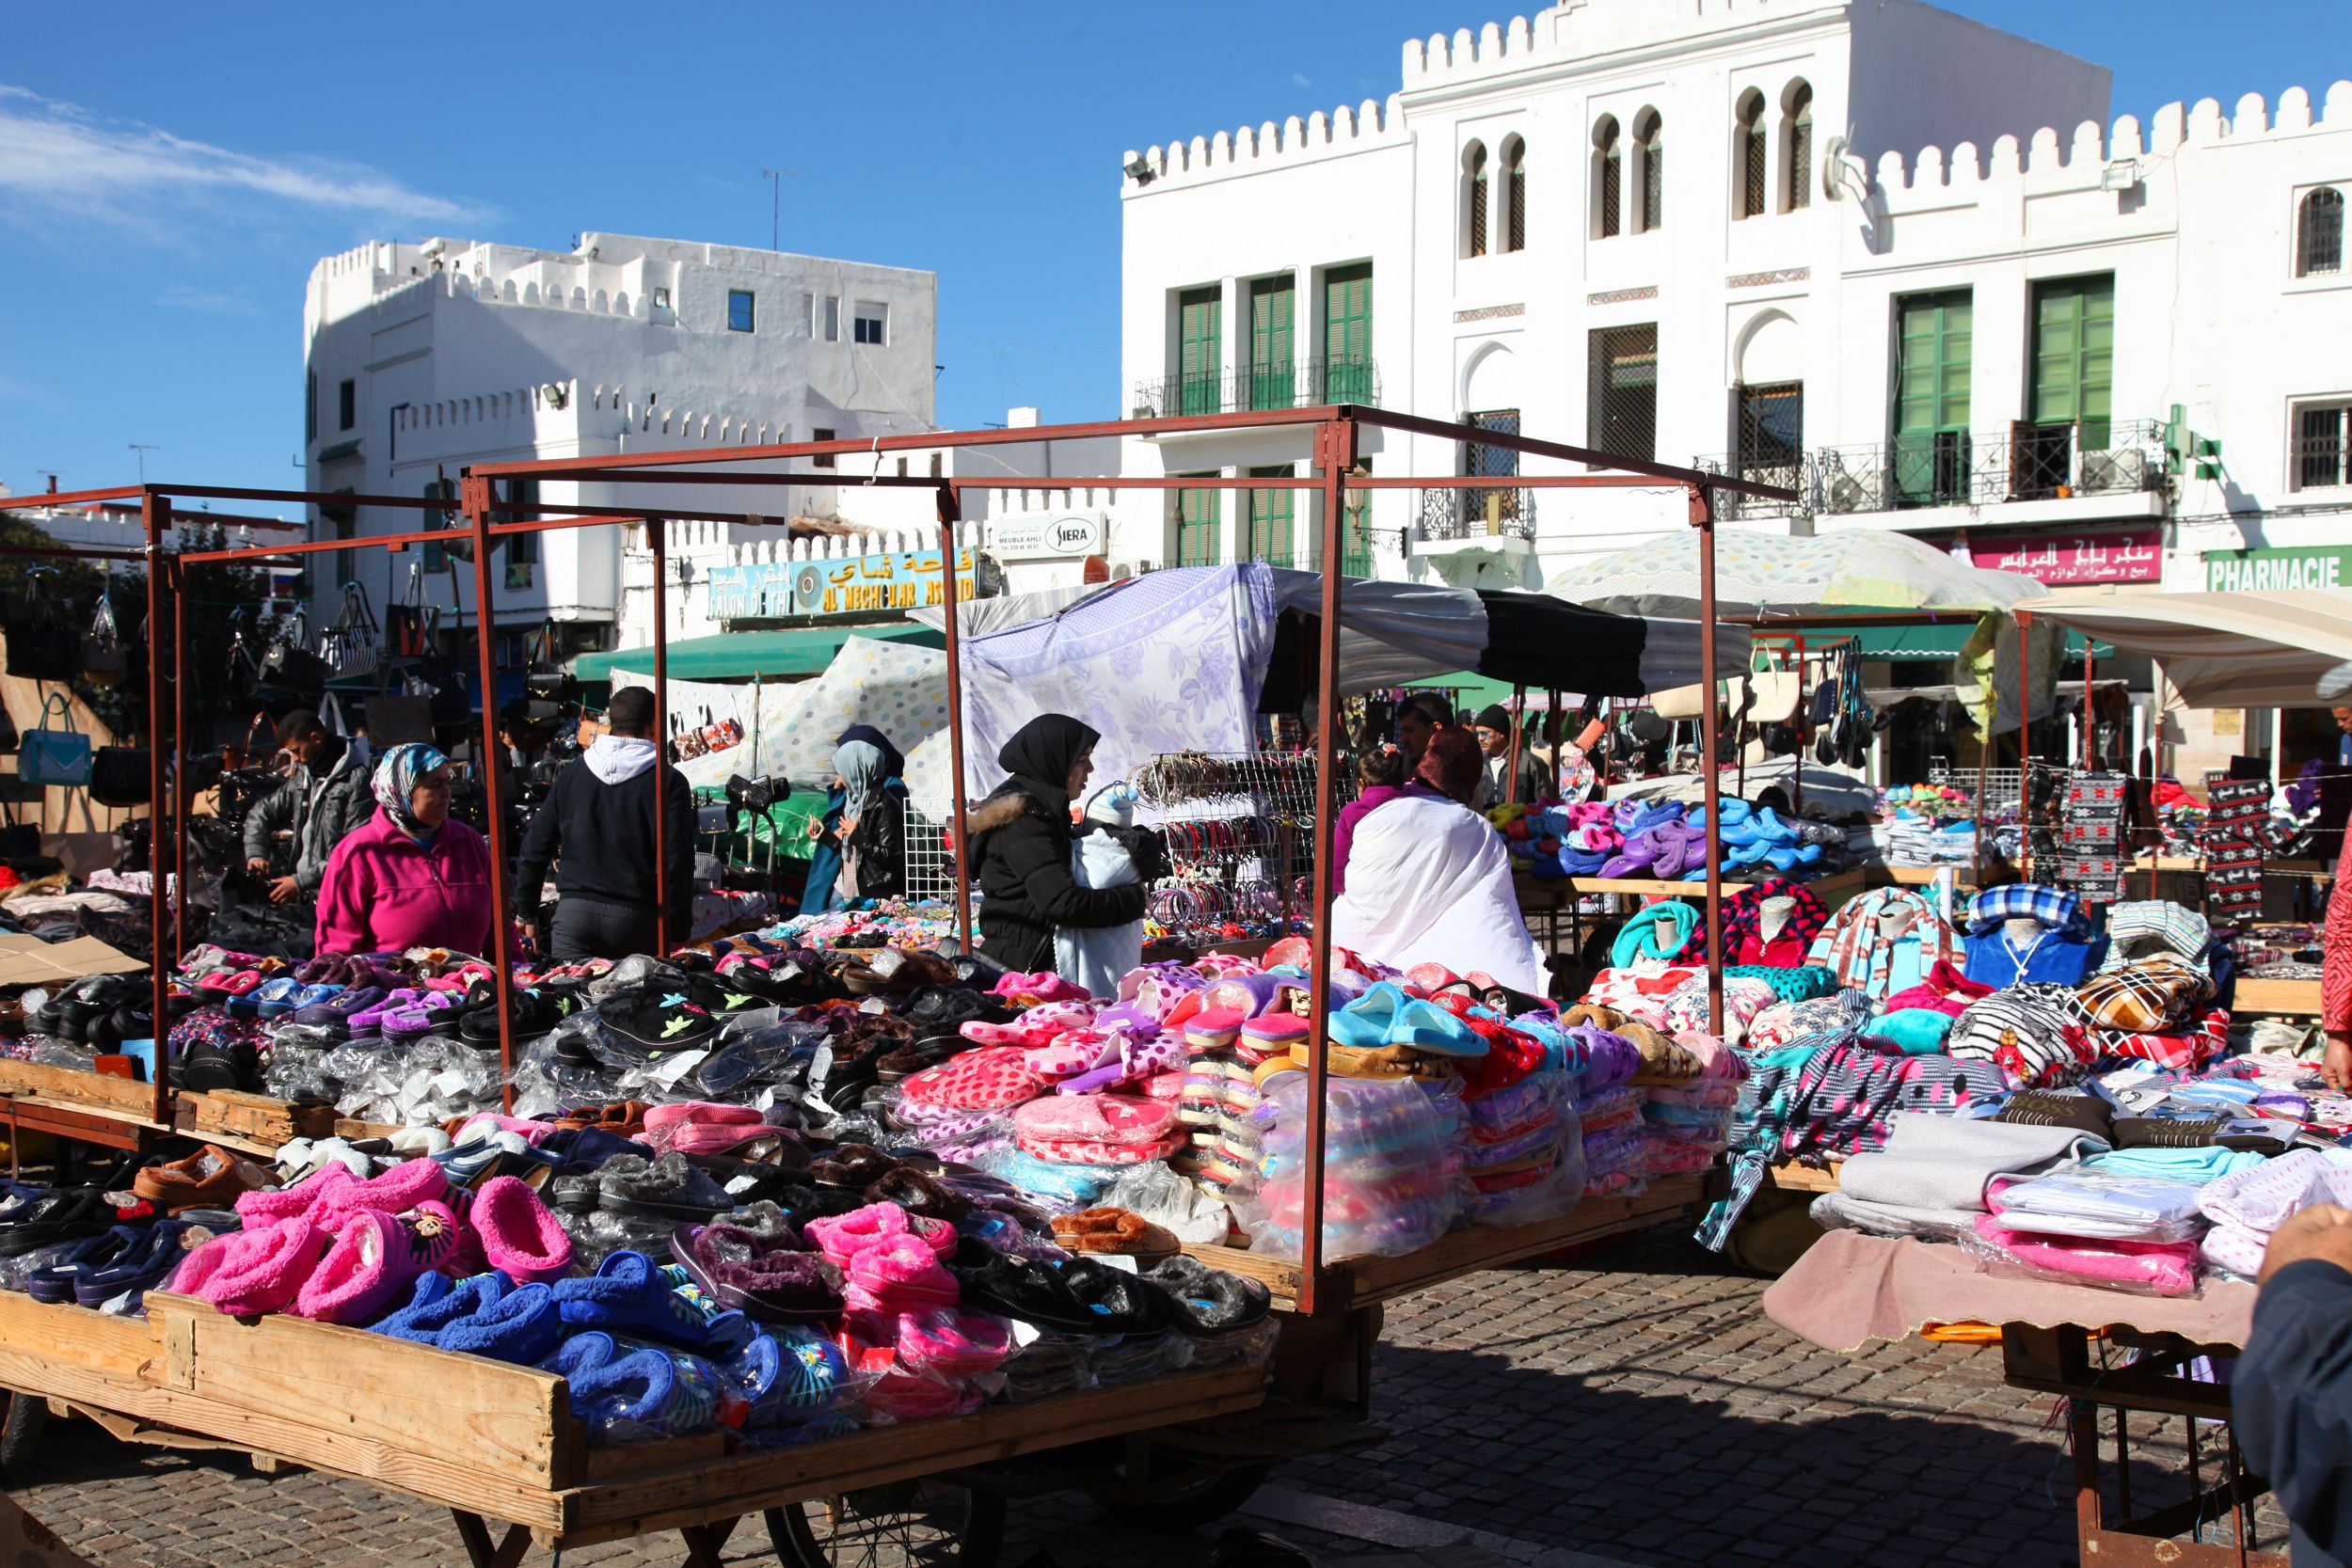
x=104 y=660
x=350 y=645
x=289 y=663
x=121 y=776
x=404 y=622
x=55 y=756
x=8 y=730
x=43 y=646
x=242 y=678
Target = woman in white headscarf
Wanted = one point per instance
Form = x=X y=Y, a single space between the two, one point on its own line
x=872 y=833
x=1429 y=881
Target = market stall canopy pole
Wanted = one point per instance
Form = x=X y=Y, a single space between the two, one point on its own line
x=951 y=509
x=1710 y=770
x=156 y=514
x=474 y=499
x=2248 y=648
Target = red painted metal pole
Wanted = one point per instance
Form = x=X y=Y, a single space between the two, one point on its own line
x=1335 y=452
x=182 y=797
x=1703 y=518
x=950 y=512
x=474 y=498
x=659 y=530
x=2091 y=665
x=155 y=512
x=1518 y=726
x=2025 y=739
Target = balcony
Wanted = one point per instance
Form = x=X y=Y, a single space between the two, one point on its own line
x=1459 y=516
x=2024 y=465
x=1795 y=473
x=1304 y=384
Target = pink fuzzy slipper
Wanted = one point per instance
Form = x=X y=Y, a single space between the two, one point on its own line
x=302 y=1198
x=396 y=1191
x=370 y=1264
x=268 y=1271
x=948 y=1344
x=702 y=1112
x=843 y=1237
x=520 y=1237
x=898 y=1274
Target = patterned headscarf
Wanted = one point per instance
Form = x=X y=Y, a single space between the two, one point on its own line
x=396 y=778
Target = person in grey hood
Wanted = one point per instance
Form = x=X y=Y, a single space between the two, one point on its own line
x=596 y=828
x=326 y=799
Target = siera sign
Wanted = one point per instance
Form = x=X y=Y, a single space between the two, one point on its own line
x=1048 y=535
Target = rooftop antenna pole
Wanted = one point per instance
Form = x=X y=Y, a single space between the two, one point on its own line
x=140 y=450
x=775 y=201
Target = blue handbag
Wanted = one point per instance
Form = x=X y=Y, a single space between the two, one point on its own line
x=55 y=756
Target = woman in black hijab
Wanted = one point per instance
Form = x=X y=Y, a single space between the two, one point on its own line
x=1020 y=853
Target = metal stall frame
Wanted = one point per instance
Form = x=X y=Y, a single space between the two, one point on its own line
x=1335 y=429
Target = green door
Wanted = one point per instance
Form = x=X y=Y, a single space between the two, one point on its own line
x=1347 y=335
x=1200 y=350
x=1932 y=356
x=1198 y=525
x=2073 y=356
x=1270 y=537
x=1270 y=315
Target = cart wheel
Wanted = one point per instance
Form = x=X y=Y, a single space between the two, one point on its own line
x=1180 y=1495
x=21 y=1428
x=922 y=1524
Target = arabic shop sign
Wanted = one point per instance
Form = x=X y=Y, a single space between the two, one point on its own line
x=908 y=579
x=2314 y=566
x=2133 y=555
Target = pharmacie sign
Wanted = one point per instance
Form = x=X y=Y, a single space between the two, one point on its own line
x=2312 y=566
x=907 y=579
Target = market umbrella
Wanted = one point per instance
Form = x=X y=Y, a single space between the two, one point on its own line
x=1775 y=575
x=2252 y=648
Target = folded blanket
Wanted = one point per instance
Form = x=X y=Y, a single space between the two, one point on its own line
x=2154 y=1268
x=2261 y=1199
x=1942 y=1162
x=1842 y=1210
x=2113 y=1208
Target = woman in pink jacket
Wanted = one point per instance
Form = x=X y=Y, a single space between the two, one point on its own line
x=412 y=877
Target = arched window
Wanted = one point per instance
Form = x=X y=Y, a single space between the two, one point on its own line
x=1514 y=193
x=1650 y=143
x=2319 y=234
x=1608 y=187
x=1752 y=157
x=1798 y=134
x=1474 y=172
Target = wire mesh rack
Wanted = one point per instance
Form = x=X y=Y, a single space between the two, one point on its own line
x=1240 y=832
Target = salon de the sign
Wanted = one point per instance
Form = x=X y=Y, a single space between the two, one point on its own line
x=907 y=579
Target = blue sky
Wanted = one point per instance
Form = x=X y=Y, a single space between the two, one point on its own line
x=169 y=174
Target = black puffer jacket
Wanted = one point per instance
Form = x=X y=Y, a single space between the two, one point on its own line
x=1021 y=844
x=878 y=846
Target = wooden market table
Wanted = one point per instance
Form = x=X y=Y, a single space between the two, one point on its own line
x=2287 y=998
x=499 y=1444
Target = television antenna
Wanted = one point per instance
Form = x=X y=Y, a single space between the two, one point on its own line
x=140 y=450
x=775 y=201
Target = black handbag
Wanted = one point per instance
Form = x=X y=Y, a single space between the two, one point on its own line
x=119 y=776
x=44 y=645
x=290 y=662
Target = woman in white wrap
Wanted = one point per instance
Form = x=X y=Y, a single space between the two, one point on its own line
x=1429 y=881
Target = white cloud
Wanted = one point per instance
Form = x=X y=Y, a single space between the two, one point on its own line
x=1299 y=79
x=210 y=302
x=60 y=157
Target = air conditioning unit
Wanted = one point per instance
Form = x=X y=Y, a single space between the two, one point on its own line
x=1846 y=493
x=2115 y=470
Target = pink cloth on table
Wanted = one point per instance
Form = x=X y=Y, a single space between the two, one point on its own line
x=2262 y=1199
x=2163 y=1268
x=2235 y=1248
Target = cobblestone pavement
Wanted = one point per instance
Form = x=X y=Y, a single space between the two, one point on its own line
x=1635 y=1408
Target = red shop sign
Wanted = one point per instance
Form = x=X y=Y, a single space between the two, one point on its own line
x=2133 y=555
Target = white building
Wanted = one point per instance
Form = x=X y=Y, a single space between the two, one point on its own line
x=1899 y=261
x=422 y=358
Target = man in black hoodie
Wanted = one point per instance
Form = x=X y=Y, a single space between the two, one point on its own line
x=601 y=807
x=1021 y=844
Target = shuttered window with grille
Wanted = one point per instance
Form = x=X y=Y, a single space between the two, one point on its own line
x=1514 y=191
x=1475 y=242
x=1755 y=157
x=1771 y=432
x=1935 y=359
x=1348 y=334
x=1621 y=415
x=1270 y=536
x=1608 y=173
x=1799 y=149
x=2319 y=234
x=1200 y=524
x=1200 y=350
x=1270 y=343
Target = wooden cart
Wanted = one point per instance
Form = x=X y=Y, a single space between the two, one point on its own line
x=500 y=1447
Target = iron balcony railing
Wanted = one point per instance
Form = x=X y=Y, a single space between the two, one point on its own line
x=1235 y=389
x=1477 y=514
x=1955 y=468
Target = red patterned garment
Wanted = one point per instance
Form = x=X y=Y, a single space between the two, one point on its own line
x=2335 y=985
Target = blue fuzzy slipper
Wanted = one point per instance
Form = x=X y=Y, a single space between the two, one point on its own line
x=638 y=1398
x=522 y=1326
x=581 y=1352
x=439 y=1302
x=629 y=1294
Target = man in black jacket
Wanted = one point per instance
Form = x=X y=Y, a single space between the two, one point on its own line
x=2291 y=1394
x=599 y=818
x=1021 y=846
x=326 y=799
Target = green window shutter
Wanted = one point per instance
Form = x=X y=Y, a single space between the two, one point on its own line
x=1198 y=525
x=1200 y=339
x=1934 y=352
x=1271 y=536
x=2073 y=356
x=1348 y=334
x=1271 y=337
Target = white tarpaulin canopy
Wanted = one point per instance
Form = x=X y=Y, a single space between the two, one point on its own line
x=2256 y=648
x=1772 y=574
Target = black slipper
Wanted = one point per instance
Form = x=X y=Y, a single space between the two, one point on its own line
x=1210 y=1301
x=1121 y=1303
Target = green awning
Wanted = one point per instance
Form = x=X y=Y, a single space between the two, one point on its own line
x=1936 y=641
x=742 y=654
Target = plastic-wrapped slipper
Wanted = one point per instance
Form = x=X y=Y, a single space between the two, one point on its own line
x=900 y=1273
x=371 y=1263
x=844 y=1238
x=582 y=1352
x=518 y=1235
x=667 y=1188
x=303 y=1197
x=263 y=1271
x=1121 y=1303
x=437 y=1301
x=522 y=1326
x=627 y=1295
x=1365 y=1022
x=56 y=1282
x=775 y=1286
x=950 y=1343
x=643 y=1390
x=1211 y=1301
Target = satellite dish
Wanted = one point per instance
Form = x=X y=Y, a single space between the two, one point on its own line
x=1834 y=169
